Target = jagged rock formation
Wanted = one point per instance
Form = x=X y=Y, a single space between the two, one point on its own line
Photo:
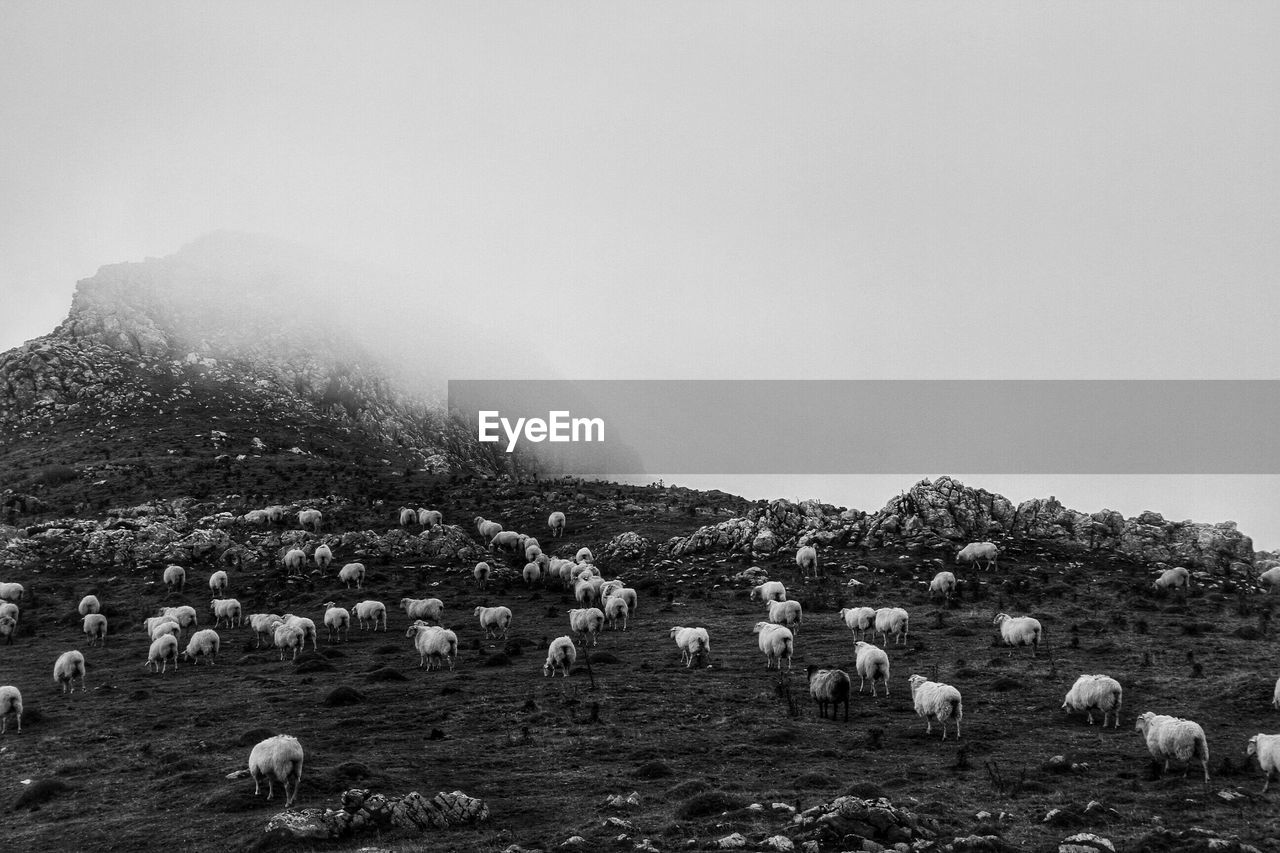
x=365 y=811
x=936 y=515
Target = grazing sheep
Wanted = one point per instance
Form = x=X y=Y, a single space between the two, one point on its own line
x=95 y=628
x=586 y=593
x=218 y=582
x=1266 y=747
x=433 y=643
x=769 y=591
x=185 y=614
x=858 y=619
x=556 y=522
x=311 y=518
x=616 y=608
x=8 y=627
x=277 y=759
x=1019 y=631
x=1270 y=579
x=430 y=518
x=787 y=613
x=587 y=622
x=892 y=620
x=829 y=687
x=807 y=560
x=163 y=649
x=275 y=514
x=1090 y=692
x=225 y=608
x=408 y=517
x=352 y=572
x=871 y=662
x=777 y=642
x=692 y=642
x=69 y=667
x=1175 y=578
x=481 y=573
x=263 y=623
x=289 y=637
x=11 y=591
x=89 y=604
x=175 y=577
x=1172 y=739
x=323 y=556
x=203 y=644
x=489 y=530
x=307 y=627
x=372 y=611
x=943 y=582
x=974 y=552
x=494 y=619
x=10 y=703
x=426 y=609
x=255 y=516
x=507 y=540
x=934 y=700
x=166 y=625
x=628 y=595
x=531 y=553
x=8 y=608
x=562 y=655
x=584 y=555
x=294 y=560
x=337 y=620
x=532 y=572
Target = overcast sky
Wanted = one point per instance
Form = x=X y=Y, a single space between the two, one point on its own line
x=676 y=190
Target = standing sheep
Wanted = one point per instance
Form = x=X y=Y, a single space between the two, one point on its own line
x=532 y=572
x=943 y=582
x=308 y=628
x=1270 y=579
x=934 y=700
x=175 y=577
x=587 y=622
x=352 y=572
x=584 y=555
x=561 y=655
x=858 y=619
x=829 y=687
x=89 y=604
x=777 y=642
x=871 y=662
x=494 y=619
x=69 y=667
x=184 y=614
x=11 y=591
x=277 y=759
x=1172 y=739
x=1266 y=747
x=481 y=573
x=807 y=560
x=323 y=556
x=225 y=608
x=430 y=518
x=434 y=643
x=1175 y=578
x=310 y=518
x=371 y=611
x=892 y=620
x=95 y=628
x=408 y=517
x=974 y=552
x=289 y=637
x=769 y=591
x=1019 y=631
x=692 y=642
x=787 y=613
x=1095 y=692
x=218 y=582
x=263 y=623
x=556 y=522
x=163 y=649
x=426 y=609
x=8 y=627
x=337 y=620
x=203 y=644
x=294 y=560
x=616 y=608
x=11 y=703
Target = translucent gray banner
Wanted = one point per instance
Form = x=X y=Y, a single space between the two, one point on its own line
x=883 y=426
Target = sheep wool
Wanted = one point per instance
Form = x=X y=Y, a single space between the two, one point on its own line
x=561 y=655
x=95 y=628
x=859 y=620
x=352 y=573
x=777 y=642
x=692 y=642
x=89 y=604
x=934 y=700
x=10 y=703
x=1266 y=747
x=1095 y=693
x=871 y=662
x=1172 y=739
x=68 y=667
x=1019 y=631
x=892 y=620
x=829 y=688
x=277 y=759
x=769 y=591
x=164 y=648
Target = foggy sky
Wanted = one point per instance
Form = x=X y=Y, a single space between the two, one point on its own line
x=672 y=190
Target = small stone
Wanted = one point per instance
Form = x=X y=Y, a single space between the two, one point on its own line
x=779 y=842
x=732 y=842
x=1086 y=842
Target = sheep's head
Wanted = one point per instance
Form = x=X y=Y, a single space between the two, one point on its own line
x=1000 y=617
x=915 y=681
x=1143 y=722
x=1252 y=748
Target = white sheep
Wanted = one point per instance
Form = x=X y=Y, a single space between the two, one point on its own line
x=584 y=555
x=263 y=623
x=807 y=560
x=489 y=530
x=615 y=608
x=587 y=622
x=11 y=591
x=408 y=517
x=308 y=628
x=829 y=687
x=858 y=619
x=69 y=667
x=934 y=700
x=532 y=552
x=1275 y=696
x=275 y=759
x=777 y=642
x=8 y=627
x=1270 y=579
x=203 y=644
x=275 y=514
x=8 y=608
x=352 y=572
x=166 y=626
x=1266 y=747
x=532 y=572
x=769 y=591
x=1095 y=692
x=1175 y=578
x=481 y=573
x=175 y=577
x=434 y=643
x=1019 y=631
x=892 y=620
x=787 y=613
x=95 y=628
x=975 y=551
x=430 y=518
x=163 y=649
x=185 y=614
x=692 y=642
x=494 y=619
x=371 y=611
x=943 y=582
x=562 y=655
x=1172 y=739
x=628 y=595
x=10 y=703
x=312 y=518
x=871 y=662
x=218 y=582
x=426 y=609
x=323 y=556
x=294 y=560
x=586 y=593
x=225 y=608
x=556 y=522
x=337 y=620
x=89 y=604
x=289 y=637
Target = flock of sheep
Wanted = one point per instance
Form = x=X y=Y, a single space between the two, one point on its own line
x=601 y=603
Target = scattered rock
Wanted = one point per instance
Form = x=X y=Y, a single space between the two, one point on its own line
x=1086 y=842
x=732 y=842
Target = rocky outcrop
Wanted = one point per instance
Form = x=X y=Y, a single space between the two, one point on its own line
x=627 y=546
x=365 y=811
